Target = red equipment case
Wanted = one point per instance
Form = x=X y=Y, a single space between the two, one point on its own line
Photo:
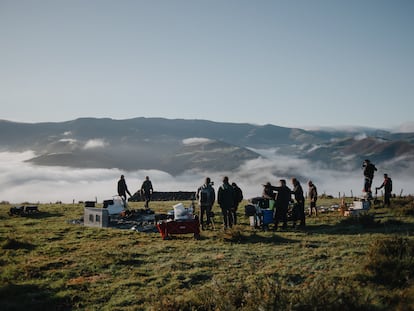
x=179 y=227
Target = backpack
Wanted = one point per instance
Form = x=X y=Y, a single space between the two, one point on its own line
x=205 y=196
x=238 y=195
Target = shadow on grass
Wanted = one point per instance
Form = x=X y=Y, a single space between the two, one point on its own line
x=240 y=237
x=14 y=244
x=130 y=262
x=275 y=239
x=193 y=280
x=362 y=225
x=31 y=297
x=38 y=215
x=43 y=215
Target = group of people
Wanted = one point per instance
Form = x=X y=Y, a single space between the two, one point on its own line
x=369 y=171
x=146 y=190
x=281 y=195
x=229 y=197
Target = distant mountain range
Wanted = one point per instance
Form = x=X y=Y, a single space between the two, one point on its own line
x=178 y=145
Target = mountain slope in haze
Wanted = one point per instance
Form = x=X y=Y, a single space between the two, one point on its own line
x=178 y=145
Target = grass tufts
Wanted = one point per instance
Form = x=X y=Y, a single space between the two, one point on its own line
x=365 y=220
x=235 y=235
x=390 y=261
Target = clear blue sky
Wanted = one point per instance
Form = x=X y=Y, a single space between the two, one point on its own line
x=290 y=63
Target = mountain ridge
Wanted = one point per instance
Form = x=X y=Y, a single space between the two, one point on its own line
x=158 y=143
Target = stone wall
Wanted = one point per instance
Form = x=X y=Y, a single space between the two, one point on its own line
x=166 y=196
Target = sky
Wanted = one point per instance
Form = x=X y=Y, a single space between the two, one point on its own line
x=301 y=63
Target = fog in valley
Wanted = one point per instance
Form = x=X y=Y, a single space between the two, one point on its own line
x=23 y=182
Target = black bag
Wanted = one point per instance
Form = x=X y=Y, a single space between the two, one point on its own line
x=250 y=210
x=263 y=203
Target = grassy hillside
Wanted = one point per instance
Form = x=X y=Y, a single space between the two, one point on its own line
x=336 y=263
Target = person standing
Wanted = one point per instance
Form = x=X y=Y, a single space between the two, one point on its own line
x=206 y=197
x=268 y=196
x=369 y=170
x=313 y=197
x=146 y=191
x=268 y=192
x=225 y=198
x=300 y=203
x=123 y=189
x=283 y=198
x=387 y=185
x=238 y=197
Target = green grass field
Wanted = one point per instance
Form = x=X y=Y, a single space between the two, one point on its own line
x=336 y=263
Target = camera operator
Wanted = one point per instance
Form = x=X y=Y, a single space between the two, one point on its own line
x=369 y=170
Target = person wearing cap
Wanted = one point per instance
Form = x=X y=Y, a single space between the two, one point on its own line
x=123 y=189
x=225 y=198
x=387 y=185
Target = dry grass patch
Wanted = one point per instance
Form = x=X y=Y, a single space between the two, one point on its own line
x=58 y=265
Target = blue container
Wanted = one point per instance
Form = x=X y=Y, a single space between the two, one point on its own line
x=267 y=216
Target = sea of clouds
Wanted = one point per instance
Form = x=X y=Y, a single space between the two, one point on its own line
x=21 y=181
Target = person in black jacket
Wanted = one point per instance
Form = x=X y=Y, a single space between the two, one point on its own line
x=300 y=203
x=238 y=197
x=225 y=198
x=313 y=197
x=369 y=170
x=387 y=185
x=123 y=189
x=146 y=191
x=283 y=198
x=268 y=192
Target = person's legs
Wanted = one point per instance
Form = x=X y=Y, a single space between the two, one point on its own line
x=123 y=197
x=234 y=214
x=284 y=216
x=277 y=216
x=367 y=187
x=202 y=212
x=387 y=197
x=148 y=200
x=366 y=184
x=208 y=213
x=230 y=217
x=313 y=207
x=295 y=214
x=223 y=212
x=302 y=214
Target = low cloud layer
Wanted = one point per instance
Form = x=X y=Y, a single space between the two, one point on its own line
x=95 y=143
x=196 y=141
x=21 y=181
